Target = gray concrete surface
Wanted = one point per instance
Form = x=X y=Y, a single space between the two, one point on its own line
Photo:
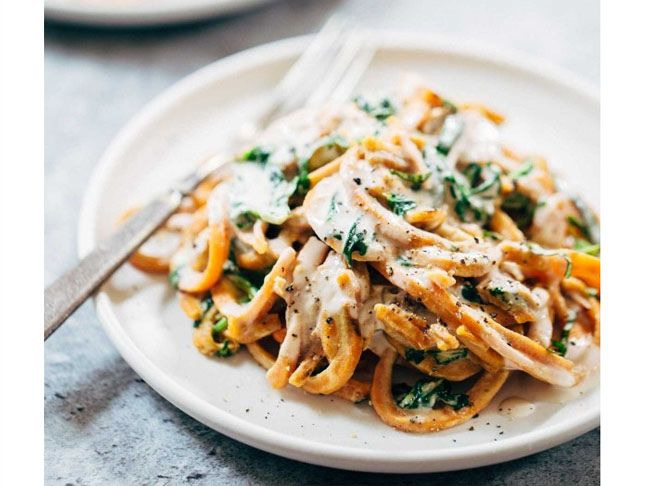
x=103 y=425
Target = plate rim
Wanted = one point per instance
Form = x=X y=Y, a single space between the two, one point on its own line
x=306 y=450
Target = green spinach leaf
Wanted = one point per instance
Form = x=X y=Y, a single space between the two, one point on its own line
x=587 y=247
x=527 y=166
x=380 y=111
x=451 y=130
x=416 y=180
x=398 y=203
x=427 y=394
x=354 y=242
x=559 y=346
x=520 y=208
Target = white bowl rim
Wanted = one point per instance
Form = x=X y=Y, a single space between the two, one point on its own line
x=306 y=450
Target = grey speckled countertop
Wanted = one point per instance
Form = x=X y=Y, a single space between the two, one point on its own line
x=104 y=425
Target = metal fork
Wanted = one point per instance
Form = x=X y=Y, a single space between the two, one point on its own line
x=330 y=67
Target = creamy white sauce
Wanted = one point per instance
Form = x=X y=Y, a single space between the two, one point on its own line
x=179 y=221
x=550 y=225
x=326 y=287
x=315 y=293
x=541 y=328
x=516 y=407
x=332 y=215
x=302 y=307
x=577 y=348
x=379 y=343
x=251 y=189
x=291 y=137
x=479 y=141
x=162 y=244
x=190 y=252
x=355 y=124
x=506 y=292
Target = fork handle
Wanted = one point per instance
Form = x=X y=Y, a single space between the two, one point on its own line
x=69 y=291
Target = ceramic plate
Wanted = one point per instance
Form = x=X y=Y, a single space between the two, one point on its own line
x=141 y=12
x=548 y=112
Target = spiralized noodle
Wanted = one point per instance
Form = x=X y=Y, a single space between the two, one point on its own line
x=390 y=232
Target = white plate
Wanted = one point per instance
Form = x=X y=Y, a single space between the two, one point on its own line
x=548 y=111
x=141 y=12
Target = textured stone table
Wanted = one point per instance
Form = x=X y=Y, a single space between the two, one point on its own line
x=103 y=424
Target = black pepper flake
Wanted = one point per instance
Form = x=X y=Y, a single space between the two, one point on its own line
x=329 y=320
x=290 y=288
x=357 y=180
x=471 y=428
x=293 y=335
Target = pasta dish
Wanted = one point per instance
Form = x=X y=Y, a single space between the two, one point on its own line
x=389 y=236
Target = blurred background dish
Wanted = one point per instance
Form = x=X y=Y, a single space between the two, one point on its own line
x=112 y=13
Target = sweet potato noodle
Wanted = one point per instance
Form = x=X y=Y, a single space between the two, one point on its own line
x=389 y=231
